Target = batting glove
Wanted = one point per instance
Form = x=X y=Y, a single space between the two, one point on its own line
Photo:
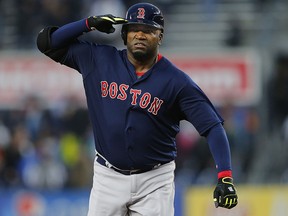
x=225 y=194
x=104 y=23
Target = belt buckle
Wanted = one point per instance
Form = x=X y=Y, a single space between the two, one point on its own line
x=131 y=172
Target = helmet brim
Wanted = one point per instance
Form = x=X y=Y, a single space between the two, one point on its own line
x=144 y=22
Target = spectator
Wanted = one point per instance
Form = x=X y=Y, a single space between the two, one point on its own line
x=13 y=154
x=57 y=12
x=28 y=20
x=41 y=167
x=278 y=92
x=234 y=36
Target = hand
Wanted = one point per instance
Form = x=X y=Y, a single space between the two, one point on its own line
x=225 y=194
x=104 y=23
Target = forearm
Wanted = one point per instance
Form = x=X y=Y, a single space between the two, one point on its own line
x=220 y=150
x=69 y=32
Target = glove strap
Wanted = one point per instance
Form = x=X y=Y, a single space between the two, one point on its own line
x=87 y=25
x=89 y=21
x=225 y=173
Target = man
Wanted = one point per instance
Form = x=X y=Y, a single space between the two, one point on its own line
x=136 y=99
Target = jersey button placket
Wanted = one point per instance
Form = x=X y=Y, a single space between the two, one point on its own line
x=128 y=132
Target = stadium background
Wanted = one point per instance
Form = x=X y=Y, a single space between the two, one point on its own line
x=235 y=50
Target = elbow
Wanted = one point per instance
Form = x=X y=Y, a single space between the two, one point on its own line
x=44 y=39
x=45 y=46
x=216 y=127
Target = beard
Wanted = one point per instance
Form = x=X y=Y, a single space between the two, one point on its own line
x=144 y=55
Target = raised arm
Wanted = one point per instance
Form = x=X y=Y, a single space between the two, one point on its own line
x=53 y=41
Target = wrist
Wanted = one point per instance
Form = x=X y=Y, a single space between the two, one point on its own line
x=225 y=173
x=87 y=25
x=90 y=23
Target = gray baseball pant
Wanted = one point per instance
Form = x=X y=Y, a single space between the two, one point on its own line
x=146 y=194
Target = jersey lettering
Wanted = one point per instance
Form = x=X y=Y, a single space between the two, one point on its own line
x=145 y=100
x=155 y=106
x=135 y=93
x=113 y=90
x=120 y=92
x=123 y=95
x=104 y=88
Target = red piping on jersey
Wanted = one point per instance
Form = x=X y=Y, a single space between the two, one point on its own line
x=140 y=73
x=225 y=173
x=159 y=57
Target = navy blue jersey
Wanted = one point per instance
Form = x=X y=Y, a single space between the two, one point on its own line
x=137 y=117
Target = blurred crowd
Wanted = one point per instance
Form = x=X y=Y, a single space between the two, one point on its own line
x=46 y=148
x=23 y=19
x=53 y=148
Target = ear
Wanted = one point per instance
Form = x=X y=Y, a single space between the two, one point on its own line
x=160 y=38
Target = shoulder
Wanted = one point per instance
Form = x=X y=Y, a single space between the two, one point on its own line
x=81 y=44
x=178 y=79
x=171 y=70
x=81 y=49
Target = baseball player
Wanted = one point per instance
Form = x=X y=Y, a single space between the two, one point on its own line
x=136 y=98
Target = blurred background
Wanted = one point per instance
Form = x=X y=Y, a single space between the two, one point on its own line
x=236 y=50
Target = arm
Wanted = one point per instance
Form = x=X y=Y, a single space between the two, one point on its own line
x=196 y=107
x=54 y=41
x=67 y=33
x=224 y=193
x=219 y=147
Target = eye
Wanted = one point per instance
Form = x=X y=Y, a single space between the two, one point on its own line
x=145 y=30
x=148 y=31
x=131 y=29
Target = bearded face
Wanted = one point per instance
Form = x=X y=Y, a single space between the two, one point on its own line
x=143 y=41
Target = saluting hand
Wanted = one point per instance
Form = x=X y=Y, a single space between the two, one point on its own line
x=104 y=23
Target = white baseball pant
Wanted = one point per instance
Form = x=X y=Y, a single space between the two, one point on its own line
x=146 y=194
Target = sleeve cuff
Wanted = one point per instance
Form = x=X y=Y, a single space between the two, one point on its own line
x=87 y=25
x=225 y=173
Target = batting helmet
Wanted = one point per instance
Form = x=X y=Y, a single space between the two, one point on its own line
x=143 y=13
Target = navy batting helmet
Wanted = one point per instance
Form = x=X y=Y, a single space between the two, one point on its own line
x=143 y=13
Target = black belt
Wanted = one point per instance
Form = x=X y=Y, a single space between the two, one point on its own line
x=101 y=161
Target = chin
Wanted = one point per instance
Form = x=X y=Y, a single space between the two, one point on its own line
x=140 y=55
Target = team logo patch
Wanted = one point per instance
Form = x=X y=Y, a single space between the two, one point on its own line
x=141 y=13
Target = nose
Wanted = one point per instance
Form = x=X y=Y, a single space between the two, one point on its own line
x=139 y=35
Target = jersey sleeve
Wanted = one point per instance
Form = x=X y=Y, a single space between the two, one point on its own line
x=220 y=149
x=79 y=56
x=197 y=108
x=86 y=56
